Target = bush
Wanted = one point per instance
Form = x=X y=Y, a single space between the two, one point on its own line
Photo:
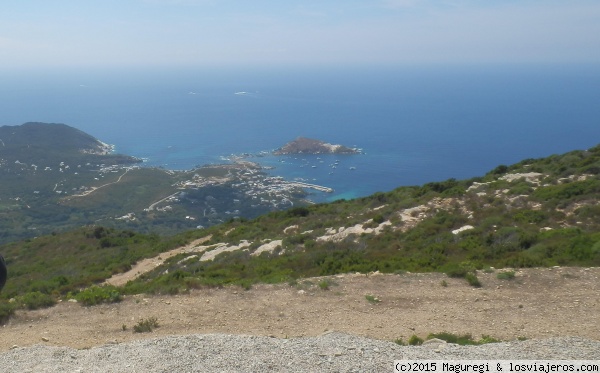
x=415 y=341
x=400 y=342
x=500 y=170
x=487 y=339
x=6 y=311
x=531 y=216
x=36 y=300
x=324 y=284
x=463 y=340
x=146 y=326
x=379 y=219
x=509 y=275
x=99 y=294
x=372 y=299
x=245 y=284
x=473 y=280
x=298 y=212
x=459 y=270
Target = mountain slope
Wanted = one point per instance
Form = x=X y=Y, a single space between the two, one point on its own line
x=536 y=213
x=541 y=212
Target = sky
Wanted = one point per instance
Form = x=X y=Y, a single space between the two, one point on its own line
x=147 y=33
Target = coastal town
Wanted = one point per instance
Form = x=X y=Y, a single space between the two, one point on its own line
x=85 y=183
x=250 y=184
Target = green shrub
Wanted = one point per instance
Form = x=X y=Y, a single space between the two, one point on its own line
x=146 y=325
x=415 y=341
x=459 y=270
x=324 y=284
x=473 y=280
x=298 y=212
x=246 y=284
x=6 y=311
x=455 y=270
x=567 y=191
x=35 y=300
x=372 y=299
x=463 y=340
x=400 y=342
x=487 y=339
x=500 y=170
x=99 y=294
x=509 y=275
x=530 y=216
x=378 y=219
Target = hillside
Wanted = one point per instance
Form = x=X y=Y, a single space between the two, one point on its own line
x=41 y=145
x=537 y=213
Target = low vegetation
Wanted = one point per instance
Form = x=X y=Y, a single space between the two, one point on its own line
x=98 y=294
x=146 y=325
x=462 y=340
x=372 y=299
x=543 y=212
x=35 y=300
x=506 y=275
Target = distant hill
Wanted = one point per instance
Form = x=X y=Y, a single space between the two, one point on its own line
x=303 y=145
x=48 y=144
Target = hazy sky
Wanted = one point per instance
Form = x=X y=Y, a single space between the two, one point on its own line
x=48 y=33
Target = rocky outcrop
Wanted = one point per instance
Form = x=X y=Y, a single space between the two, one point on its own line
x=303 y=145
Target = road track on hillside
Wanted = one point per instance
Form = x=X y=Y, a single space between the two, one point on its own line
x=146 y=265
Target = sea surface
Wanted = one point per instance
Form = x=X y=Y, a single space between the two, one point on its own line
x=414 y=124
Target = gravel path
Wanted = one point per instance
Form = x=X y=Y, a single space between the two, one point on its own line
x=332 y=352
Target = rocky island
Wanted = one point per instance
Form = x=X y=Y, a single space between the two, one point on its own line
x=303 y=145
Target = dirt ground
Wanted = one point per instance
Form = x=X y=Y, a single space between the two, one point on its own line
x=537 y=303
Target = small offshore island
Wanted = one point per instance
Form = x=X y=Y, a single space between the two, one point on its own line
x=303 y=145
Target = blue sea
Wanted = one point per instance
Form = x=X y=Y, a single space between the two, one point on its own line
x=414 y=124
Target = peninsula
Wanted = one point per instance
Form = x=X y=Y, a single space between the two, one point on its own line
x=303 y=145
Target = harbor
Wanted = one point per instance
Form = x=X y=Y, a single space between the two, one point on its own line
x=312 y=186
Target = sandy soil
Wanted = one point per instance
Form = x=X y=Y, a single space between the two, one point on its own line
x=538 y=303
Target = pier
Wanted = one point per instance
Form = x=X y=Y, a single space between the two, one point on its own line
x=312 y=186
